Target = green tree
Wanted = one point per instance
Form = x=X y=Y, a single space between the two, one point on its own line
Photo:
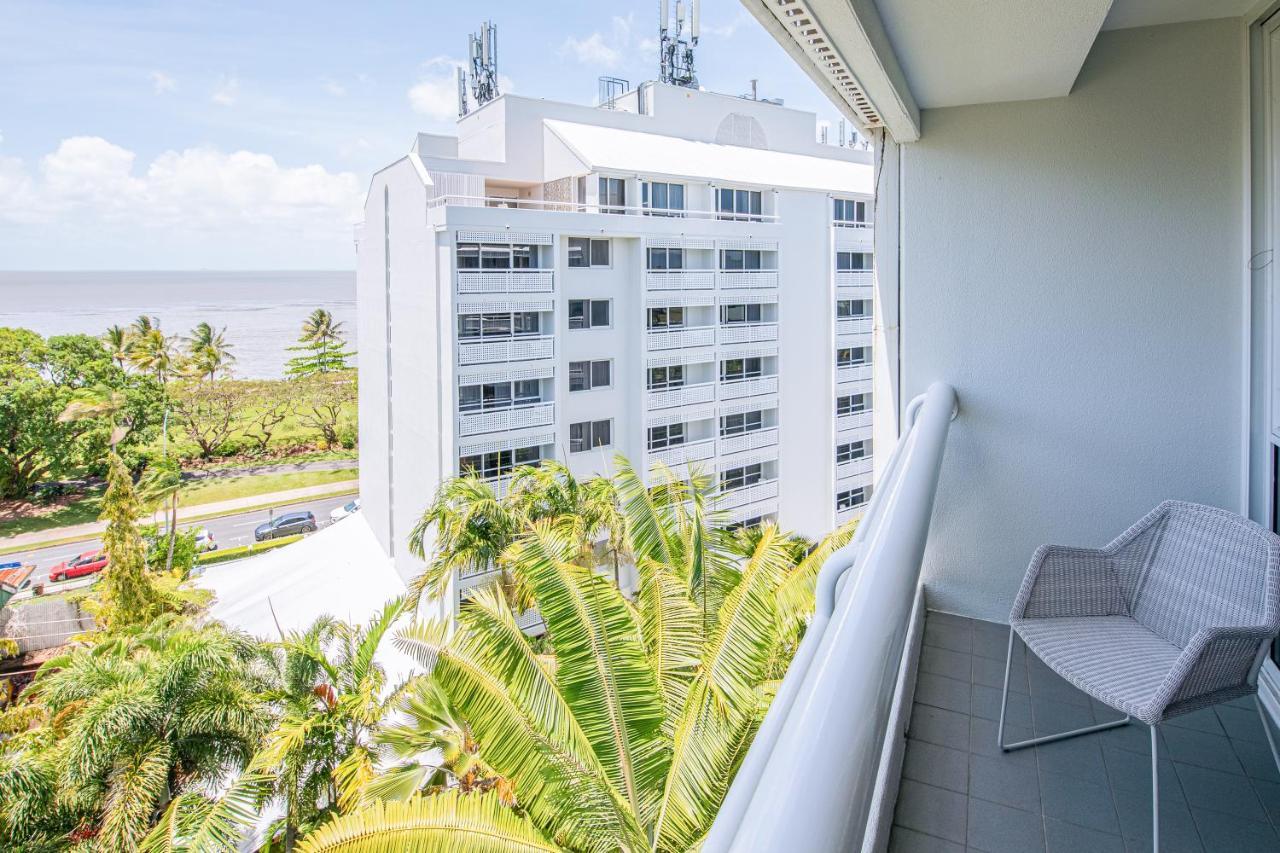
x=207 y=355
x=159 y=486
x=155 y=353
x=117 y=340
x=208 y=412
x=321 y=346
x=323 y=401
x=128 y=595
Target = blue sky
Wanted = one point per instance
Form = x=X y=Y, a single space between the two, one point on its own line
x=204 y=135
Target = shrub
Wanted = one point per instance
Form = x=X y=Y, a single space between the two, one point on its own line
x=210 y=557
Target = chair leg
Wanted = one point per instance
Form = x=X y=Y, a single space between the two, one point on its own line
x=1155 y=793
x=1265 y=719
x=1004 y=701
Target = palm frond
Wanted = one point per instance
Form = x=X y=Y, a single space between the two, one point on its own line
x=796 y=592
x=672 y=632
x=195 y=823
x=134 y=788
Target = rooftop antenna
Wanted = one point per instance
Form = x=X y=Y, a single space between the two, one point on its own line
x=841 y=133
x=675 y=51
x=462 y=92
x=822 y=134
x=483 y=50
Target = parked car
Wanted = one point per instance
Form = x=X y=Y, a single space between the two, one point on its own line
x=86 y=564
x=346 y=509
x=286 y=525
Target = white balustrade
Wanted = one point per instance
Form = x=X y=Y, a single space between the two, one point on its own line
x=735 y=498
x=753 y=440
x=499 y=420
x=854 y=326
x=853 y=373
x=736 y=389
x=505 y=281
x=748 y=278
x=680 y=454
x=680 y=279
x=747 y=333
x=857 y=420
x=685 y=395
x=486 y=351
x=660 y=339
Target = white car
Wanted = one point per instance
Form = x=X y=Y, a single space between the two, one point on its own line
x=346 y=509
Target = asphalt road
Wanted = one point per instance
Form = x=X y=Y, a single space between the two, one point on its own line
x=228 y=531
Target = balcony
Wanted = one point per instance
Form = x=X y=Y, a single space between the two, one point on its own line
x=753 y=440
x=736 y=389
x=682 y=454
x=545 y=206
x=853 y=372
x=685 y=395
x=500 y=420
x=737 y=498
x=680 y=279
x=858 y=420
x=506 y=281
x=663 y=339
x=855 y=284
x=853 y=235
x=506 y=349
x=860 y=468
x=853 y=326
x=754 y=279
x=747 y=333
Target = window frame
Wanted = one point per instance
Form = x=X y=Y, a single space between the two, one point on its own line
x=844 y=500
x=588 y=375
x=587 y=253
x=668 y=383
x=590 y=433
x=662 y=436
x=741 y=423
x=667 y=254
x=866 y=356
x=852 y=451
x=587 y=319
x=649 y=202
x=849 y=410
x=741 y=477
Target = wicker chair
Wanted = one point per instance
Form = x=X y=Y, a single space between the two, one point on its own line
x=1174 y=615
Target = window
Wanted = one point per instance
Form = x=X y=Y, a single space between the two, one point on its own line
x=662 y=199
x=852 y=498
x=666 y=377
x=666 y=259
x=498 y=462
x=613 y=195
x=740 y=478
x=852 y=356
x=590 y=434
x=498 y=395
x=666 y=436
x=746 y=523
x=585 y=375
x=666 y=318
x=740 y=423
x=586 y=252
x=498 y=325
x=853 y=261
x=730 y=314
x=853 y=308
x=741 y=259
x=853 y=450
x=738 y=204
x=848 y=210
x=496 y=256
x=588 y=313
x=740 y=368
x=852 y=404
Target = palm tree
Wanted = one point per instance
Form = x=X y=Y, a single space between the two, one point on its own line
x=117 y=340
x=321 y=328
x=207 y=352
x=99 y=401
x=159 y=485
x=630 y=738
x=154 y=352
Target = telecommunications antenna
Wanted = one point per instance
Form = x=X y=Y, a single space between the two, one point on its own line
x=483 y=50
x=675 y=50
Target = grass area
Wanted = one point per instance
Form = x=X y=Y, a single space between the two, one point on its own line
x=290 y=432
x=331 y=455
x=80 y=511
x=229 y=488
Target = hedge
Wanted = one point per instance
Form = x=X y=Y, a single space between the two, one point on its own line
x=210 y=557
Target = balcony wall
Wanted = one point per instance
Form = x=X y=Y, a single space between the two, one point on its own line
x=487 y=351
x=506 y=281
x=499 y=420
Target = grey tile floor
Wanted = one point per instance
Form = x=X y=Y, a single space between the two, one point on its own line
x=1219 y=788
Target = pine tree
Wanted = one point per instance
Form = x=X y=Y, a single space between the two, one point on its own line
x=128 y=595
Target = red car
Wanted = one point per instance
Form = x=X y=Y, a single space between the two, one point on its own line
x=86 y=564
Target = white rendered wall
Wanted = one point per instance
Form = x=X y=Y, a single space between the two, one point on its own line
x=1073 y=267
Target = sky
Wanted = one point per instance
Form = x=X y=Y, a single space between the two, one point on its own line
x=222 y=135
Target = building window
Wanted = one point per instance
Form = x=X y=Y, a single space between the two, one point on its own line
x=662 y=199
x=741 y=259
x=666 y=436
x=666 y=318
x=496 y=256
x=498 y=395
x=586 y=252
x=741 y=368
x=589 y=313
x=853 y=450
x=590 y=434
x=848 y=210
x=740 y=423
x=585 y=375
x=731 y=314
x=740 y=478
x=853 y=261
x=613 y=195
x=499 y=462
x=746 y=523
x=856 y=309
x=852 y=498
x=666 y=259
x=666 y=377
x=852 y=404
x=506 y=324
x=738 y=204
x=852 y=356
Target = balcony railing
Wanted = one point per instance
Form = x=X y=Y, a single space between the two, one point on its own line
x=680 y=454
x=575 y=207
x=486 y=351
x=857 y=420
x=837 y=714
x=747 y=333
x=855 y=278
x=854 y=326
x=846 y=223
x=506 y=281
x=734 y=498
x=498 y=420
x=853 y=372
x=685 y=395
x=753 y=440
x=853 y=468
x=748 y=278
x=680 y=279
x=735 y=389
x=660 y=339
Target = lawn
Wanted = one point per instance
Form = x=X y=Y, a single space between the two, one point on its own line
x=74 y=511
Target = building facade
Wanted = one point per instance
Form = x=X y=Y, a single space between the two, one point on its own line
x=680 y=277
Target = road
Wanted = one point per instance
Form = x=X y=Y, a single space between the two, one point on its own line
x=228 y=531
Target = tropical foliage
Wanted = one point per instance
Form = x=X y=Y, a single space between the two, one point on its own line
x=321 y=347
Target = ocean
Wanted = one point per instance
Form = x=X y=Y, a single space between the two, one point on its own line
x=262 y=311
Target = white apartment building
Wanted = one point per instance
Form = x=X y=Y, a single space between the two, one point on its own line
x=681 y=277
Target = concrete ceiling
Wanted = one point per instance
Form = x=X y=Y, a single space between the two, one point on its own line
x=1146 y=13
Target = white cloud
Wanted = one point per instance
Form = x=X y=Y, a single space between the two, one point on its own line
x=603 y=50
x=162 y=83
x=227 y=91
x=333 y=87
x=725 y=31
x=436 y=94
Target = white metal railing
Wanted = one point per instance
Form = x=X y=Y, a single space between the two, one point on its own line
x=576 y=207
x=680 y=279
x=853 y=326
x=855 y=278
x=830 y=717
x=734 y=389
x=852 y=468
x=679 y=454
x=853 y=372
x=747 y=333
x=843 y=515
x=506 y=281
x=857 y=420
x=659 y=339
x=685 y=395
x=487 y=350
x=748 y=278
x=753 y=440
x=761 y=491
x=512 y=417
x=848 y=223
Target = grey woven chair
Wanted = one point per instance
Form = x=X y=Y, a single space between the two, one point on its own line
x=1176 y=614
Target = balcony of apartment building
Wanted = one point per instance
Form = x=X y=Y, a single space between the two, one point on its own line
x=686 y=382
x=503 y=267
x=687 y=441
x=495 y=337
x=505 y=405
x=679 y=267
x=747 y=322
x=750 y=433
x=748 y=269
x=748 y=376
x=679 y=327
x=1023 y=399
